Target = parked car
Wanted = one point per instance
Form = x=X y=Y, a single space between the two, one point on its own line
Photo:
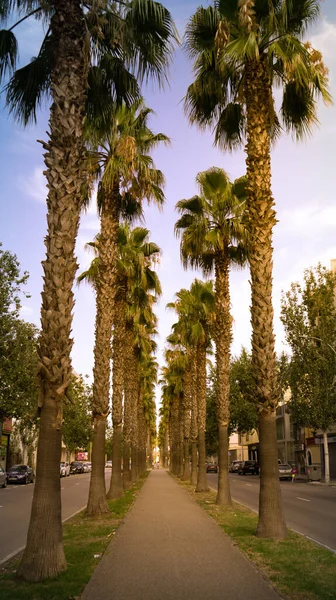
x=108 y=464
x=64 y=469
x=87 y=467
x=211 y=468
x=285 y=471
x=3 y=478
x=248 y=467
x=76 y=467
x=20 y=474
x=234 y=467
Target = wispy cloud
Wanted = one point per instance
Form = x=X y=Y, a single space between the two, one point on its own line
x=35 y=186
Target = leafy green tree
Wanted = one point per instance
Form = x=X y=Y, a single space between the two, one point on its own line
x=243 y=408
x=308 y=314
x=18 y=345
x=77 y=419
x=242 y=50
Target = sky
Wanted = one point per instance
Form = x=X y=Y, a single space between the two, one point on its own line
x=303 y=181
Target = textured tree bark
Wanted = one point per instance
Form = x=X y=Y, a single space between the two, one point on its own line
x=270 y=500
x=223 y=338
x=134 y=465
x=97 y=504
x=260 y=222
x=165 y=449
x=187 y=419
x=116 y=489
x=202 y=484
x=105 y=302
x=186 y=466
x=223 y=493
x=194 y=419
x=127 y=411
x=126 y=466
x=193 y=475
x=64 y=159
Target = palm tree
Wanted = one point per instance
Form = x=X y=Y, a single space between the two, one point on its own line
x=61 y=72
x=214 y=239
x=136 y=253
x=127 y=175
x=241 y=49
x=197 y=305
x=179 y=340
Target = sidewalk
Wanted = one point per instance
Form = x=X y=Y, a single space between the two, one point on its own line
x=169 y=549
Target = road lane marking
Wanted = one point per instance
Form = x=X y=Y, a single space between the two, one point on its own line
x=77 y=483
x=249 y=484
x=304 y=499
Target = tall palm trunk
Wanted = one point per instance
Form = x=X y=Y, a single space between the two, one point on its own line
x=165 y=448
x=134 y=381
x=194 y=420
x=186 y=422
x=105 y=295
x=128 y=392
x=116 y=485
x=175 y=435
x=223 y=339
x=202 y=484
x=181 y=412
x=141 y=434
x=261 y=220
x=44 y=556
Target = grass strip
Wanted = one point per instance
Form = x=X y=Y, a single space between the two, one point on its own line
x=296 y=566
x=85 y=540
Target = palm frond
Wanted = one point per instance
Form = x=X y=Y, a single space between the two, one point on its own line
x=8 y=53
x=230 y=127
x=29 y=86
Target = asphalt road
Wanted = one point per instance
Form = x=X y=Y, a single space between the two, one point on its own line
x=15 y=506
x=310 y=508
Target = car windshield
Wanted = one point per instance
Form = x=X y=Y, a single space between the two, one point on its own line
x=18 y=468
x=62 y=464
x=249 y=462
x=285 y=466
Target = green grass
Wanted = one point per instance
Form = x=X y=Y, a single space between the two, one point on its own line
x=83 y=539
x=296 y=566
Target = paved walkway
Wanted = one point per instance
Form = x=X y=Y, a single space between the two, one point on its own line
x=170 y=549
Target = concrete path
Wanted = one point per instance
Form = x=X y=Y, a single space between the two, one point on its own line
x=170 y=549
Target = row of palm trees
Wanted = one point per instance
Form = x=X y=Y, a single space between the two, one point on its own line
x=91 y=63
x=242 y=50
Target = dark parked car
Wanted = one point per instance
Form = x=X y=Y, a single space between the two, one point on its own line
x=20 y=474
x=3 y=478
x=234 y=467
x=211 y=468
x=249 y=467
x=285 y=471
x=76 y=467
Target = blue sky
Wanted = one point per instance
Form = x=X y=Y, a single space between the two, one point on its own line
x=303 y=187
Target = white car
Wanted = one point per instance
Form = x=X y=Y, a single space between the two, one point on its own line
x=64 y=469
